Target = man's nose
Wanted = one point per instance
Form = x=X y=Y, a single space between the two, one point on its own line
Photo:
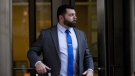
x=75 y=17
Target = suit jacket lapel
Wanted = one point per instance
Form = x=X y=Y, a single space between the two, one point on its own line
x=78 y=40
x=54 y=35
x=79 y=50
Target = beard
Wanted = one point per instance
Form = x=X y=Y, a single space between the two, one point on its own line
x=69 y=24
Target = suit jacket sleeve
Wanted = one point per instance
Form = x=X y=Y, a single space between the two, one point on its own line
x=35 y=50
x=88 y=60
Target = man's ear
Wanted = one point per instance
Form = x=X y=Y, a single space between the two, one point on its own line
x=61 y=17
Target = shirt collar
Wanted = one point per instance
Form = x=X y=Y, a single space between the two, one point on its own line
x=63 y=29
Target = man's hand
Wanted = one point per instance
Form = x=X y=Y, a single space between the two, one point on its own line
x=88 y=73
x=41 y=68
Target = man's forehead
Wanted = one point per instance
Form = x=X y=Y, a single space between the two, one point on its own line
x=70 y=11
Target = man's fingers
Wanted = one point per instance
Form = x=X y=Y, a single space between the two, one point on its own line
x=41 y=68
x=47 y=68
x=85 y=73
x=88 y=73
x=44 y=70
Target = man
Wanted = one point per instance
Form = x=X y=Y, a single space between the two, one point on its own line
x=64 y=48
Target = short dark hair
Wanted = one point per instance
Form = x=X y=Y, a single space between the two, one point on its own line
x=62 y=10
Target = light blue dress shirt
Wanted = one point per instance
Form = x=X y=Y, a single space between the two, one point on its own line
x=63 y=47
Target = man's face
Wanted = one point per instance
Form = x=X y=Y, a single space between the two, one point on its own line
x=70 y=18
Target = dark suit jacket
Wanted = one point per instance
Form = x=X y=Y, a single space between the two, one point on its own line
x=47 y=43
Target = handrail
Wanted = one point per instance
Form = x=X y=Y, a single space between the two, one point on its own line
x=96 y=68
x=22 y=68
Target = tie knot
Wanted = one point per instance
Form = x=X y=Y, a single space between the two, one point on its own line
x=67 y=31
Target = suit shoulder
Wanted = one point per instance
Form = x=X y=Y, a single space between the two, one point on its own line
x=80 y=31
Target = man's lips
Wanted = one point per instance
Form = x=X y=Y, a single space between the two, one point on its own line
x=74 y=21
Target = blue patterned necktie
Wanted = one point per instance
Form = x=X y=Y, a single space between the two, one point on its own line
x=70 y=54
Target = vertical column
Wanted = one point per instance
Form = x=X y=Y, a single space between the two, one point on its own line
x=71 y=2
x=101 y=23
x=118 y=52
x=32 y=21
x=127 y=37
x=5 y=37
x=132 y=16
x=54 y=5
x=65 y=1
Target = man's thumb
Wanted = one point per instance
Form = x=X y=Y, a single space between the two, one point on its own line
x=85 y=73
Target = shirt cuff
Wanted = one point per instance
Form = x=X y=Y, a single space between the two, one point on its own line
x=91 y=70
x=37 y=62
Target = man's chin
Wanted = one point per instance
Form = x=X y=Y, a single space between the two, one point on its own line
x=71 y=25
x=74 y=25
x=74 y=22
